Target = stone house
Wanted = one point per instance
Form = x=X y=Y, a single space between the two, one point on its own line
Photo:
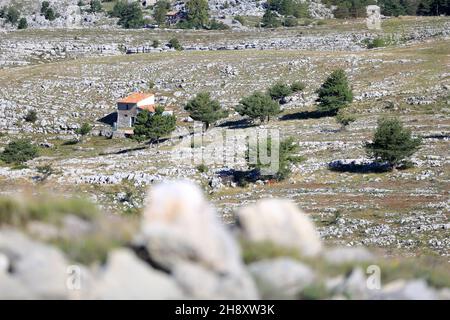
x=173 y=17
x=129 y=107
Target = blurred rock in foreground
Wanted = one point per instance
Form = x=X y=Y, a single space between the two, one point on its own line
x=180 y=250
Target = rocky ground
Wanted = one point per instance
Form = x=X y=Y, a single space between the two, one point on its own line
x=180 y=250
x=74 y=76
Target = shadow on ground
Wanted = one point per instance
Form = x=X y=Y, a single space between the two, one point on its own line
x=237 y=124
x=359 y=167
x=303 y=115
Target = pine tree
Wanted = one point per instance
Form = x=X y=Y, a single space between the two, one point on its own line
x=23 y=24
x=258 y=105
x=270 y=19
x=131 y=16
x=96 y=6
x=335 y=93
x=160 y=10
x=12 y=15
x=197 y=13
x=153 y=126
x=392 y=142
x=287 y=150
x=203 y=108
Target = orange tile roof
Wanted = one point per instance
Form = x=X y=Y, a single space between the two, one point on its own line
x=150 y=107
x=136 y=97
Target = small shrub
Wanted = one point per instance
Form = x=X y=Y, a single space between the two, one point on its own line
x=345 y=118
x=23 y=24
x=279 y=91
x=290 y=22
x=19 y=151
x=270 y=19
x=376 y=43
x=84 y=129
x=155 y=44
x=240 y=19
x=175 y=44
x=96 y=6
x=31 y=116
x=205 y=109
x=50 y=14
x=297 y=86
x=202 y=168
x=217 y=25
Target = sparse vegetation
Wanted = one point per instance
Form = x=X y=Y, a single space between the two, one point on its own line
x=174 y=43
x=297 y=86
x=23 y=24
x=19 y=151
x=279 y=91
x=345 y=118
x=31 y=116
x=84 y=129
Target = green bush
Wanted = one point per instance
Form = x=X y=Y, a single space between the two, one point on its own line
x=297 y=86
x=279 y=91
x=155 y=44
x=217 y=25
x=240 y=19
x=50 y=14
x=290 y=22
x=84 y=129
x=392 y=142
x=345 y=118
x=197 y=13
x=118 y=9
x=160 y=10
x=287 y=150
x=23 y=24
x=19 y=151
x=175 y=44
x=376 y=43
x=95 y=6
x=31 y=116
x=202 y=168
x=44 y=7
x=270 y=19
